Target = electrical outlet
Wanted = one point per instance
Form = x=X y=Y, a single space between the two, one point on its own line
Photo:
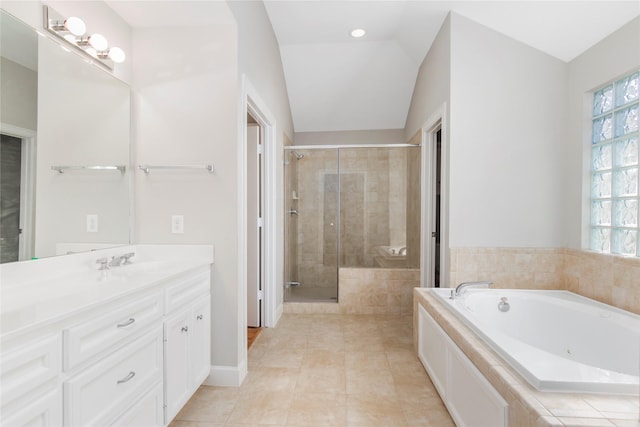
x=177 y=224
x=92 y=223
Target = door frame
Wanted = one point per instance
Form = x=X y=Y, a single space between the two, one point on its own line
x=252 y=103
x=26 y=241
x=437 y=121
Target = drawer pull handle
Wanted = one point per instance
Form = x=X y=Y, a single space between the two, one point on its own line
x=127 y=378
x=185 y=329
x=199 y=317
x=127 y=323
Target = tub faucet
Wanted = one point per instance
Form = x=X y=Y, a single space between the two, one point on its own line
x=462 y=287
x=402 y=250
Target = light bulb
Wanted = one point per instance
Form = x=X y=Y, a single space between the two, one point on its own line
x=117 y=55
x=75 y=26
x=358 y=32
x=98 y=42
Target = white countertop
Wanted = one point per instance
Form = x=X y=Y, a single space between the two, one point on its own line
x=62 y=288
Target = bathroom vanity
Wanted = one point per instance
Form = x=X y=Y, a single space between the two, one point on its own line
x=125 y=345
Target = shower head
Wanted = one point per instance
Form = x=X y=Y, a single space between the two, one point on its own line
x=297 y=155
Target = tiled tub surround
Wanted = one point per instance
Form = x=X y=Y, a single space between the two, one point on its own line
x=368 y=291
x=612 y=279
x=528 y=407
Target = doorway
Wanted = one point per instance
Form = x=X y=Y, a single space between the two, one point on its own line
x=17 y=178
x=434 y=262
x=10 y=213
x=437 y=199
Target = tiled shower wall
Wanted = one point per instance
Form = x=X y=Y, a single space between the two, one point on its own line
x=368 y=291
x=291 y=221
x=373 y=210
x=413 y=211
x=611 y=279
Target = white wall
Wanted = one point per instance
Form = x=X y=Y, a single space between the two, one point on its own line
x=433 y=83
x=614 y=56
x=184 y=113
x=19 y=87
x=350 y=137
x=259 y=61
x=507 y=147
x=91 y=130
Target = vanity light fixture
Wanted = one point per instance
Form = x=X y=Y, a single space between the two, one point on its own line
x=115 y=54
x=357 y=33
x=72 y=30
x=96 y=41
x=73 y=25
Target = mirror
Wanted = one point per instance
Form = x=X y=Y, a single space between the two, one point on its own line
x=58 y=110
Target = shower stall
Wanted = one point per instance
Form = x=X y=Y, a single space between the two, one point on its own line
x=348 y=207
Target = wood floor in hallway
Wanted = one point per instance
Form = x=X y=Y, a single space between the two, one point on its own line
x=252 y=335
x=326 y=370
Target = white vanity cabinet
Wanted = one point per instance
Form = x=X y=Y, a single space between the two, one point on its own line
x=132 y=359
x=30 y=390
x=187 y=342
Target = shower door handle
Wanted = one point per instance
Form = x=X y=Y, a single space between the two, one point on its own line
x=293 y=212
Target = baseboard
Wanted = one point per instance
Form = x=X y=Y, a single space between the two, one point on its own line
x=227 y=376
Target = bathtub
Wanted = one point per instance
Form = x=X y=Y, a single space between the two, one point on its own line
x=557 y=340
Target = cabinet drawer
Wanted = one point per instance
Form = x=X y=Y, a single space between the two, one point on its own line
x=145 y=412
x=187 y=290
x=97 y=335
x=45 y=411
x=104 y=391
x=28 y=367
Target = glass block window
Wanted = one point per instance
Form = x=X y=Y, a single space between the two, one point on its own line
x=615 y=163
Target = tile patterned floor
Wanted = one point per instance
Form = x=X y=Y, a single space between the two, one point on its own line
x=326 y=370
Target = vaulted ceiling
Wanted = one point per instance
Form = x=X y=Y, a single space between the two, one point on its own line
x=336 y=82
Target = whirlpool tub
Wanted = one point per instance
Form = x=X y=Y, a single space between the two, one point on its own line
x=557 y=340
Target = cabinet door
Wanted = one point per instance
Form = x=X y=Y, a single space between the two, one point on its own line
x=177 y=383
x=201 y=341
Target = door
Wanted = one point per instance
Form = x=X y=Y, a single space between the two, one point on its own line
x=254 y=226
x=432 y=238
x=201 y=341
x=177 y=380
x=10 y=187
x=437 y=206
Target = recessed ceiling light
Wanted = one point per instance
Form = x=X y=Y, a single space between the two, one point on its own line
x=358 y=32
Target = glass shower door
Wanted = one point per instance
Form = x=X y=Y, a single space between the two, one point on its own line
x=311 y=225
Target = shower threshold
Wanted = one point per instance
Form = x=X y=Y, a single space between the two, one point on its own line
x=312 y=294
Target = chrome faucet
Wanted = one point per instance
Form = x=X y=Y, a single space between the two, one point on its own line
x=402 y=250
x=124 y=259
x=462 y=287
x=104 y=263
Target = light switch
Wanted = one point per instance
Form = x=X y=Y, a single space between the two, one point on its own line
x=177 y=224
x=92 y=223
